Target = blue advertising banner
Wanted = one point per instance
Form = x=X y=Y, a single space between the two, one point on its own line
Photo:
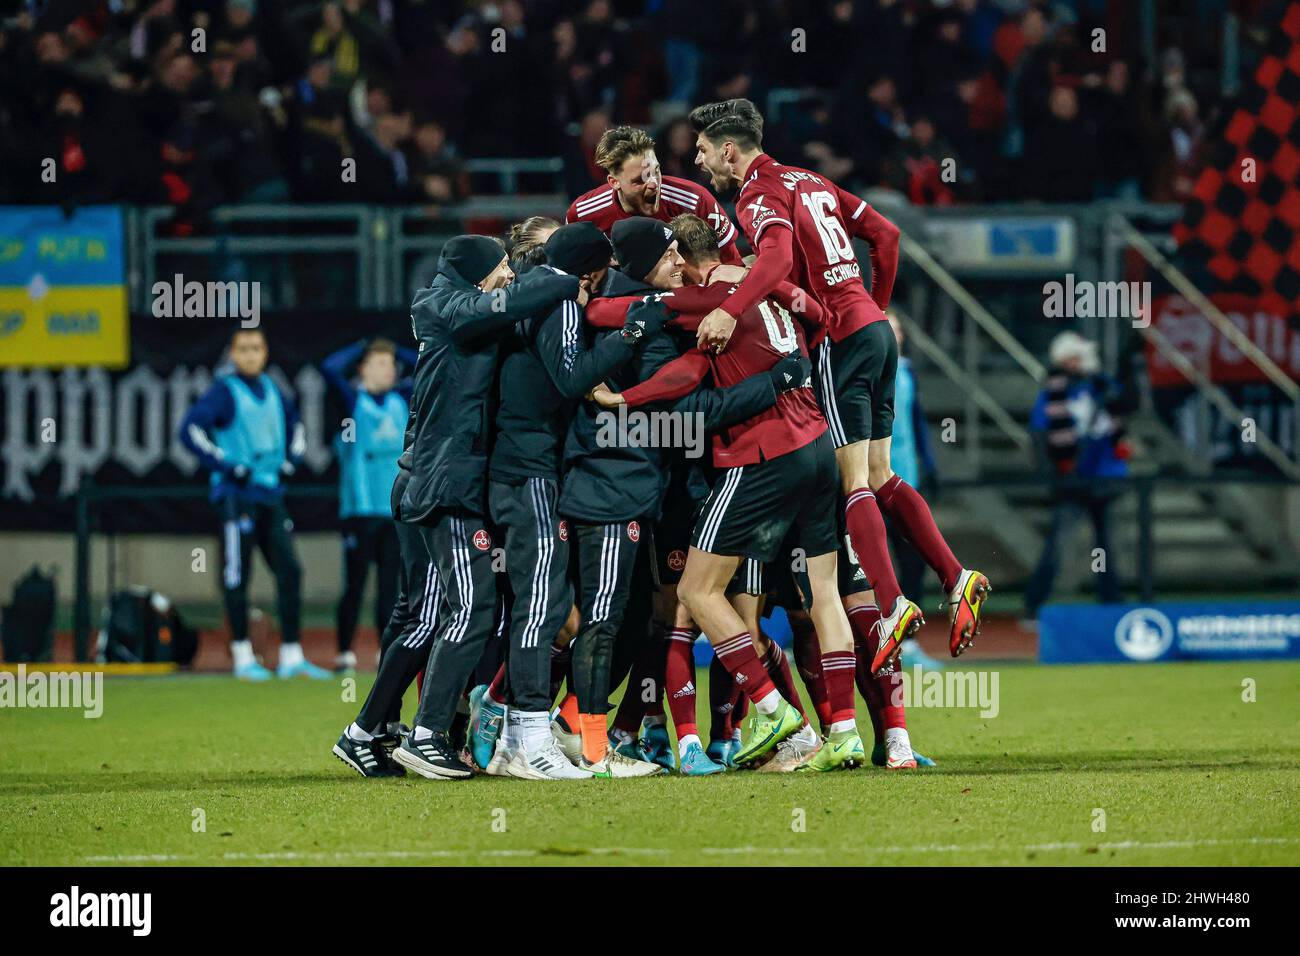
x=1083 y=634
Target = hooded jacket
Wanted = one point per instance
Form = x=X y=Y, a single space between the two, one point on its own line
x=458 y=327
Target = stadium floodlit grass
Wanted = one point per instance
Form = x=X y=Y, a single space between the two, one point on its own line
x=1184 y=770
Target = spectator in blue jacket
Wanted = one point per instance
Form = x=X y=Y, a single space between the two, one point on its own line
x=1079 y=427
x=248 y=436
x=368 y=445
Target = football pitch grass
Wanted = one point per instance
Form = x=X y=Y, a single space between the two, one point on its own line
x=1126 y=765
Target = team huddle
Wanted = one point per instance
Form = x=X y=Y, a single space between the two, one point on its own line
x=546 y=547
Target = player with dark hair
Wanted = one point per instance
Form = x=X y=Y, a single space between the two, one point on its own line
x=247 y=434
x=635 y=186
x=799 y=224
x=368 y=445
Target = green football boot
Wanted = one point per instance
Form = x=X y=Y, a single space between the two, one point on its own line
x=766 y=732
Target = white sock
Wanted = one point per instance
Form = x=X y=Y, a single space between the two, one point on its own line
x=838 y=726
x=290 y=654
x=534 y=729
x=421 y=733
x=686 y=742
x=806 y=734
x=512 y=730
x=242 y=652
x=899 y=734
x=770 y=702
x=489 y=699
x=355 y=732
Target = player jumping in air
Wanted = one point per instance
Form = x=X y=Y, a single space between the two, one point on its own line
x=799 y=224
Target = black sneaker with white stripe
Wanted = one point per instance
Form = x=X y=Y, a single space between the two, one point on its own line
x=366 y=757
x=433 y=757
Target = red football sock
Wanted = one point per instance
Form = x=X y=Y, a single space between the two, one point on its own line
x=498 y=686
x=808 y=658
x=892 y=712
x=739 y=708
x=680 y=677
x=739 y=657
x=870 y=543
x=837 y=672
x=905 y=505
x=863 y=619
x=721 y=690
x=777 y=666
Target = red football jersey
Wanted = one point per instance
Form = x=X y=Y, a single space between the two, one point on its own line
x=676 y=196
x=822 y=218
x=765 y=334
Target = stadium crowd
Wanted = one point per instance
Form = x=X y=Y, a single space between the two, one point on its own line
x=193 y=103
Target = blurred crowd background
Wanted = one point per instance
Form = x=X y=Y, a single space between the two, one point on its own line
x=876 y=93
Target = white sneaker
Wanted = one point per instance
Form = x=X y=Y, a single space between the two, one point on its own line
x=499 y=765
x=345 y=663
x=791 y=754
x=570 y=744
x=898 y=750
x=617 y=765
x=547 y=763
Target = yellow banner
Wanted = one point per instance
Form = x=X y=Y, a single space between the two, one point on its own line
x=66 y=325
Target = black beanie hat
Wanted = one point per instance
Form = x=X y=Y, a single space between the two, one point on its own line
x=578 y=249
x=639 y=244
x=473 y=257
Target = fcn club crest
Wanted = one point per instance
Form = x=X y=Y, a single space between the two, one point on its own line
x=482 y=540
x=564 y=530
x=633 y=531
x=676 y=559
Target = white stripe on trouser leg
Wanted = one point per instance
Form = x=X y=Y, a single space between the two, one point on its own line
x=829 y=405
x=540 y=598
x=609 y=547
x=234 y=571
x=713 y=520
x=428 y=612
x=464 y=581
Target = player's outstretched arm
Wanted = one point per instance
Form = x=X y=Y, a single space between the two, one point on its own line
x=775 y=259
x=672 y=381
x=476 y=315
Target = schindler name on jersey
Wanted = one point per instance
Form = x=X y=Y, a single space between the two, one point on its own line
x=77 y=909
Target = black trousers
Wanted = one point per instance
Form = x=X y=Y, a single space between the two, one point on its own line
x=409 y=634
x=537 y=565
x=606 y=556
x=367 y=541
x=1072 y=503
x=461 y=549
x=269 y=528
